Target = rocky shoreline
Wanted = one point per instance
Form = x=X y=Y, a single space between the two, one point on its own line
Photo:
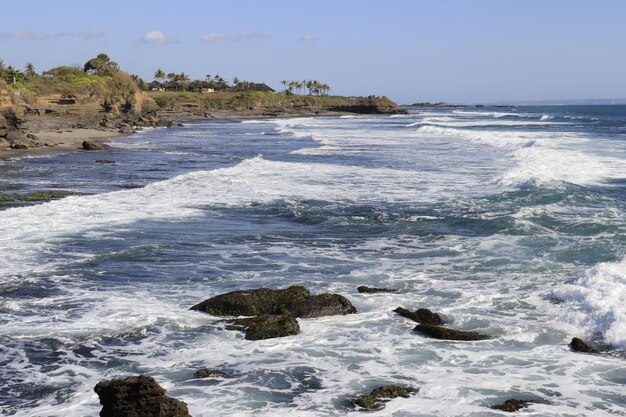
x=57 y=123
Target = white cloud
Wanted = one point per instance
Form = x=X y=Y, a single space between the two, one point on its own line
x=155 y=37
x=94 y=34
x=33 y=36
x=222 y=37
x=214 y=37
x=308 y=38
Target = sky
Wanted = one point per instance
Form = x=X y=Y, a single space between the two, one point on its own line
x=458 y=51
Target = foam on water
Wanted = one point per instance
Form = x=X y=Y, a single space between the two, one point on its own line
x=596 y=302
x=434 y=212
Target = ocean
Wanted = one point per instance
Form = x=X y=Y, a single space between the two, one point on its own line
x=509 y=221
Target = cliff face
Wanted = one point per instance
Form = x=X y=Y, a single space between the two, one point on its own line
x=250 y=104
x=20 y=120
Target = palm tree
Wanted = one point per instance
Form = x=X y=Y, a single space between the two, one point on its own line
x=284 y=83
x=159 y=75
x=172 y=79
x=184 y=79
x=235 y=80
x=29 y=69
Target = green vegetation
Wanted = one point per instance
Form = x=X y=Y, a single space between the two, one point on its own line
x=100 y=78
x=249 y=100
x=297 y=87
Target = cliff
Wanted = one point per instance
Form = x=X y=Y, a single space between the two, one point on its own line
x=72 y=101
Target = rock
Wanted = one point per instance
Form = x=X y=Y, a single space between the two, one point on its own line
x=422 y=315
x=137 y=396
x=19 y=146
x=374 y=399
x=369 y=290
x=4 y=126
x=164 y=123
x=511 y=405
x=16 y=136
x=32 y=136
x=105 y=161
x=209 y=373
x=43 y=196
x=92 y=146
x=579 y=345
x=440 y=332
x=267 y=327
x=127 y=130
x=295 y=300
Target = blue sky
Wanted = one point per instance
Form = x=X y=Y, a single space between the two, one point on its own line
x=436 y=50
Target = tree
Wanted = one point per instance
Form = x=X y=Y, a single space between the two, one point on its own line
x=159 y=75
x=101 y=65
x=12 y=75
x=172 y=79
x=184 y=79
x=235 y=80
x=29 y=69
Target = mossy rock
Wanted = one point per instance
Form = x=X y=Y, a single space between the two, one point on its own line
x=511 y=405
x=295 y=300
x=421 y=315
x=374 y=400
x=42 y=196
x=364 y=289
x=266 y=327
x=445 y=333
x=34 y=197
x=209 y=373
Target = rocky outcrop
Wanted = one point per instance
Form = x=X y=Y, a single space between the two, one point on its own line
x=137 y=396
x=421 y=315
x=266 y=327
x=296 y=301
x=364 y=289
x=209 y=373
x=579 y=345
x=511 y=405
x=93 y=146
x=440 y=332
x=374 y=400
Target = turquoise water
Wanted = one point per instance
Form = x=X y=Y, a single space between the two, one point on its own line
x=507 y=221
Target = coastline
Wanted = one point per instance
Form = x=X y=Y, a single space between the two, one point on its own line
x=64 y=140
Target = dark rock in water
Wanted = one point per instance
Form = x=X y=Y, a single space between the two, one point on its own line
x=137 y=396
x=511 y=405
x=295 y=300
x=440 y=332
x=421 y=315
x=320 y=305
x=209 y=373
x=105 y=161
x=579 y=345
x=19 y=146
x=43 y=196
x=92 y=146
x=164 y=123
x=374 y=399
x=267 y=327
x=370 y=290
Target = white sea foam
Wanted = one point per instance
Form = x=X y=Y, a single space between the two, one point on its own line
x=596 y=302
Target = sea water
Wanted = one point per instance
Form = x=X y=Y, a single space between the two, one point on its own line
x=506 y=221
